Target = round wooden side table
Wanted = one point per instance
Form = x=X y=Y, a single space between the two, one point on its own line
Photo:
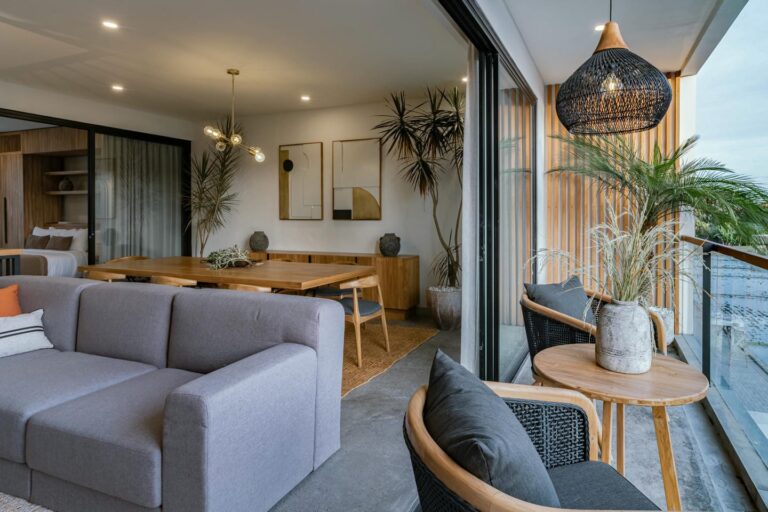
x=669 y=382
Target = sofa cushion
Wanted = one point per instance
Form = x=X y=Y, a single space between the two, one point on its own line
x=480 y=433
x=127 y=321
x=567 y=297
x=365 y=307
x=109 y=440
x=39 y=380
x=58 y=297
x=597 y=486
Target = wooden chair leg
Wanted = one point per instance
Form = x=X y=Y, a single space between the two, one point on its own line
x=359 y=346
x=384 y=327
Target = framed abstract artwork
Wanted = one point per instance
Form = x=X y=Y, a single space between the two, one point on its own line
x=357 y=179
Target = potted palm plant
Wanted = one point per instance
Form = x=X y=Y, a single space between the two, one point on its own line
x=428 y=139
x=667 y=184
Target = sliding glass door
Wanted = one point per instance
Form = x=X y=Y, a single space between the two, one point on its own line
x=137 y=198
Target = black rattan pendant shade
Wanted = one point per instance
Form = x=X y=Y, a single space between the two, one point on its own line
x=615 y=91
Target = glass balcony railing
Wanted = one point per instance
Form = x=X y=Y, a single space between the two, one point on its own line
x=725 y=321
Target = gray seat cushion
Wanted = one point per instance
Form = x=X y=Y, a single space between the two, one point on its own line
x=597 y=486
x=481 y=434
x=567 y=297
x=36 y=381
x=127 y=321
x=58 y=297
x=108 y=441
x=366 y=307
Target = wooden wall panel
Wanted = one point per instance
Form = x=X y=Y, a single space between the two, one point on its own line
x=40 y=209
x=574 y=205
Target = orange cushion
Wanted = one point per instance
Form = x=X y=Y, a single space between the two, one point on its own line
x=9 y=301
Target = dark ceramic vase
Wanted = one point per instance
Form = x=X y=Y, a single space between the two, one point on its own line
x=65 y=185
x=389 y=244
x=259 y=241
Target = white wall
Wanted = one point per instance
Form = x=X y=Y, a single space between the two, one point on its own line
x=49 y=103
x=403 y=211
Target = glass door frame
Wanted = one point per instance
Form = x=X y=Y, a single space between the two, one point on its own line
x=491 y=53
x=93 y=129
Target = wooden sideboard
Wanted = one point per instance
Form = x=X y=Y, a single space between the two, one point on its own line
x=398 y=275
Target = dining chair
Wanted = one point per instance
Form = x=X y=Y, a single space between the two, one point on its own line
x=245 y=287
x=357 y=311
x=173 y=281
x=109 y=277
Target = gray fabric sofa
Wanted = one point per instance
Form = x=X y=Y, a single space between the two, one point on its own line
x=158 y=398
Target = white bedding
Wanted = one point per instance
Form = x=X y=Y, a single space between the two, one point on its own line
x=61 y=263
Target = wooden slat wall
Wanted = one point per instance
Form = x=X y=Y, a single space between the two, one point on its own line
x=573 y=204
x=515 y=202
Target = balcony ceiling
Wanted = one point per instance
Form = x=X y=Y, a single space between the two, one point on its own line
x=171 y=55
x=674 y=35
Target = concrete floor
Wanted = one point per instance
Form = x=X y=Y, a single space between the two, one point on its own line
x=372 y=471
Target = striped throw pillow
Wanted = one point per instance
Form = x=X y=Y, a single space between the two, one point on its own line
x=22 y=333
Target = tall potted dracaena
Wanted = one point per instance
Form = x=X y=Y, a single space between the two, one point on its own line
x=211 y=198
x=428 y=139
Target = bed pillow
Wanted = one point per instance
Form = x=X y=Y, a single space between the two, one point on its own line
x=9 y=301
x=22 y=333
x=568 y=298
x=79 y=238
x=477 y=429
x=59 y=243
x=38 y=231
x=36 y=242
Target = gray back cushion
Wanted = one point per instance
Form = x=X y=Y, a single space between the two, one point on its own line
x=59 y=298
x=213 y=328
x=127 y=321
x=482 y=434
x=567 y=297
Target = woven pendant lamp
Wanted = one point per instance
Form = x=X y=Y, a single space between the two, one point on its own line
x=615 y=91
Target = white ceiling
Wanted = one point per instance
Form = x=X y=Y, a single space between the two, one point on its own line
x=560 y=34
x=171 y=55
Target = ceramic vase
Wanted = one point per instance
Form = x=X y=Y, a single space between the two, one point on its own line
x=389 y=244
x=258 y=241
x=624 y=341
x=444 y=303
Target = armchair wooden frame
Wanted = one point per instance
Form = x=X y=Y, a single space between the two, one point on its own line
x=586 y=327
x=356 y=318
x=245 y=287
x=172 y=281
x=465 y=485
x=111 y=276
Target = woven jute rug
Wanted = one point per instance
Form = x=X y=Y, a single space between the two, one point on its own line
x=376 y=360
x=12 y=504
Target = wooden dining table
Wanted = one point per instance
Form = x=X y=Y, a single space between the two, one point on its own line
x=273 y=274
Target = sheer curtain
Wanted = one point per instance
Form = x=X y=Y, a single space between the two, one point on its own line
x=138 y=196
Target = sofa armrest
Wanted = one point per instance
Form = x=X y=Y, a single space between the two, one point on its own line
x=241 y=437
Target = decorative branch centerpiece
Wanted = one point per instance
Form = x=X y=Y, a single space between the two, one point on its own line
x=228 y=258
x=428 y=139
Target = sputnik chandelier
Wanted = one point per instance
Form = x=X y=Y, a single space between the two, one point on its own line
x=232 y=139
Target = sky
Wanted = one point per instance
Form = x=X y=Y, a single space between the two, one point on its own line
x=732 y=96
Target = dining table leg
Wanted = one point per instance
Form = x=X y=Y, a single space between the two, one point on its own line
x=607 y=431
x=666 y=458
x=620 y=438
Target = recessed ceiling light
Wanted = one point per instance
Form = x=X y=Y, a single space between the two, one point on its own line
x=465 y=79
x=111 y=25
x=599 y=28
x=304 y=97
x=118 y=88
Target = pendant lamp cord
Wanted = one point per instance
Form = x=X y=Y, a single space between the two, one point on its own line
x=610 y=10
x=232 y=118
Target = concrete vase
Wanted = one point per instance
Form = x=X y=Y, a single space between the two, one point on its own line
x=624 y=341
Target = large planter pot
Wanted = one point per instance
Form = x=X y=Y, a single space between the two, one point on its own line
x=624 y=341
x=445 y=305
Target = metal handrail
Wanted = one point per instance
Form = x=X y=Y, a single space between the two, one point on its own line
x=710 y=246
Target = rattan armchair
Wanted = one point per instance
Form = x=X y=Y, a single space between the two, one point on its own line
x=545 y=327
x=562 y=424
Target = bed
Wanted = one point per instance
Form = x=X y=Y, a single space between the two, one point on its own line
x=59 y=263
